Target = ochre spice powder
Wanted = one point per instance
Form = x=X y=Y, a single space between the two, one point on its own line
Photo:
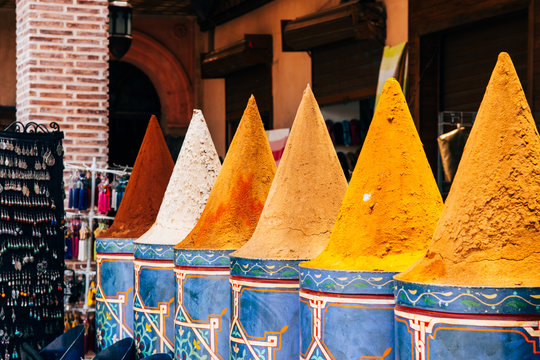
x=304 y=199
x=237 y=198
x=489 y=231
x=146 y=186
x=392 y=204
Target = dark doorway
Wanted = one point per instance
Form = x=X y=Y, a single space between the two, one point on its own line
x=132 y=101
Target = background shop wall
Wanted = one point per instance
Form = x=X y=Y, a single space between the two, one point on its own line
x=291 y=71
x=7 y=57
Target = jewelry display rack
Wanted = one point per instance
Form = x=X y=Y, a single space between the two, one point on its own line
x=31 y=236
x=94 y=170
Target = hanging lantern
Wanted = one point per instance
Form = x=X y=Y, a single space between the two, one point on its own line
x=119 y=28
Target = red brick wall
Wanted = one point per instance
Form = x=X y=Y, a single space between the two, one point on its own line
x=62 y=72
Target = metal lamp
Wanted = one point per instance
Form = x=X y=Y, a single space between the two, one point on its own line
x=119 y=28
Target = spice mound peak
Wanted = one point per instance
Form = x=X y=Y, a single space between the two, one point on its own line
x=146 y=186
x=489 y=231
x=194 y=174
x=392 y=204
x=305 y=195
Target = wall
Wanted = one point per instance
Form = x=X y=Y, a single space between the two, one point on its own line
x=62 y=72
x=291 y=71
x=7 y=57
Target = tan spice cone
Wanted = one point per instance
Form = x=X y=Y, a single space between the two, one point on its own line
x=489 y=231
x=304 y=199
x=146 y=186
x=392 y=204
x=237 y=198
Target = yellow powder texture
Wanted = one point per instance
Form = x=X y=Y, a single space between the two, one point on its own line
x=489 y=231
x=146 y=186
x=392 y=204
x=304 y=199
x=237 y=198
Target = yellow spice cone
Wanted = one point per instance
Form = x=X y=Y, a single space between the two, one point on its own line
x=237 y=198
x=304 y=199
x=489 y=231
x=392 y=203
x=146 y=186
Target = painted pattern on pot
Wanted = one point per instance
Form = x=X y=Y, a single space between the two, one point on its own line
x=202 y=314
x=338 y=304
x=451 y=322
x=265 y=316
x=114 y=293
x=154 y=304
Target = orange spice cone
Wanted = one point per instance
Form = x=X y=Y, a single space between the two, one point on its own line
x=294 y=225
x=114 y=247
x=481 y=269
x=146 y=186
x=384 y=225
x=227 y=222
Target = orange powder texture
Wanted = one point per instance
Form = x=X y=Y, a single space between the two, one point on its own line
x=392 y=204
x=237 y=198
x=489 y=231
x=304 y=199
x=146 y=186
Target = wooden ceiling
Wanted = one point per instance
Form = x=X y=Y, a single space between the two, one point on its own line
x=154 y=7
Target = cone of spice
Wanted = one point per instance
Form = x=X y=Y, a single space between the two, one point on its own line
x=479 y=277
x=227 y=222
x=294 y=225
x=114 y=247
x=384 y=225
x=192 y=179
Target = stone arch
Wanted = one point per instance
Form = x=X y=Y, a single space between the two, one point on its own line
x=168 y=76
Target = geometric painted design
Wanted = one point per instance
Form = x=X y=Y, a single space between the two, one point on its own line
x=346 y=327
x=202 y=258
x=264 y=322
x=115 y=246
x=114 y=298
x=265 y=269
x=154 y=306
x=422 y=335
x=202 y=313
x=347 y=282
x=472 y=300
x=154 y=252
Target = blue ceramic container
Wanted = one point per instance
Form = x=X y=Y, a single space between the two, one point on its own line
x=114 y=294
x=346 y=315
x=154 y=299
x=457 y=322
x=265 y=309
x=203 y=304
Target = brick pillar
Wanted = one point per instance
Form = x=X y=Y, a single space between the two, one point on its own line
x=62 y=71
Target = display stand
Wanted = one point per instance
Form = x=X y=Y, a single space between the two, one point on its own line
x=91 y=216
x=31 y=236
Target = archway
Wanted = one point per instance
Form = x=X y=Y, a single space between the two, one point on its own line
x=168 y=76
x=132 y=100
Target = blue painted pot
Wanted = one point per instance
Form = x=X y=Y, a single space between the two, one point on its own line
x=114 y=294
x=265 y=309
x=203 y=304
x=346 y=315
x=121 y=350
x=458 y=322
x=154 y=299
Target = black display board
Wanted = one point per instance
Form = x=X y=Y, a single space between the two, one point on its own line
x=31 y=236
